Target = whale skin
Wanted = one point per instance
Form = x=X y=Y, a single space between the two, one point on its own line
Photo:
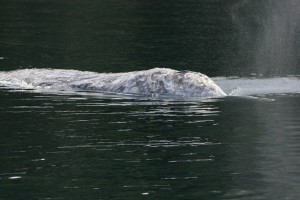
x=156 y=81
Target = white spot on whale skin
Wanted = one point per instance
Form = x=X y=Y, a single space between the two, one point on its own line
x=14 y=177
x=153 y=82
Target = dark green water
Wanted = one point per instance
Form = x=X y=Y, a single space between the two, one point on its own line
x=215 y=37
x=72 y=147
x=76 y=147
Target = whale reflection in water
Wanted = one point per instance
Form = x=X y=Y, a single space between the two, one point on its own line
x=153 y=82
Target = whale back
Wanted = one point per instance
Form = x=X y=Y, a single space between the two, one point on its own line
x=162 y=81
x=157 y=81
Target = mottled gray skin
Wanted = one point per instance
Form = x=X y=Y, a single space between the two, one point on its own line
x=157 y=81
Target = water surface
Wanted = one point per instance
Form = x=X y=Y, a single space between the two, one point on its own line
x=78 y=147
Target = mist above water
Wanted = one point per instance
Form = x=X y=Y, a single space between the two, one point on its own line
x=269 y=33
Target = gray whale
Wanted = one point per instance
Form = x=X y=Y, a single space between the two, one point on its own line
x=157 y=81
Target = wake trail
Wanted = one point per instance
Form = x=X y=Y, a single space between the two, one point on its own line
x=258 y=86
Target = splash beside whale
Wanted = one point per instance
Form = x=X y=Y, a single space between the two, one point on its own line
x=157 y=81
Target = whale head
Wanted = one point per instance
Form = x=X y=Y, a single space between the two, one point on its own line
x=164 y=81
